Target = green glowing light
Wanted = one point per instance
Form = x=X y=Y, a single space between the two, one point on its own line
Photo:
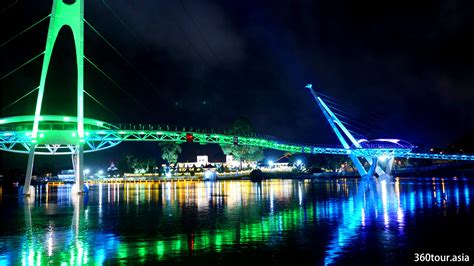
x=142 y=252
x=72 y=15
x=122 y=251
x=160 y=249
x=177 y=245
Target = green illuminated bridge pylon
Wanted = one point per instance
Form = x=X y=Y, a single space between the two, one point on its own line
x=42 y=134
x=64 y=14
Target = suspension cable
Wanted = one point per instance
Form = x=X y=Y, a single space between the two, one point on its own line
x=24 y=64
x=19 y=99
x=119 y=18
x=121 y=55
x=197 y=28
x=113 y=81
x=10 y=5
x=25 y=30
x=98 y=102
x=173 y=18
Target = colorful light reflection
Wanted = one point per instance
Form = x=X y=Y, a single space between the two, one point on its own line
x=225 y=214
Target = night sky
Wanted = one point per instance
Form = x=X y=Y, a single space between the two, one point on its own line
x=402 y=69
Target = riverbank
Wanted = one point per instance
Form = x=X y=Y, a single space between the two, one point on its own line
x=428 y=172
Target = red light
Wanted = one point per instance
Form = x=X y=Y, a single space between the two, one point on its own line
x=189 y=137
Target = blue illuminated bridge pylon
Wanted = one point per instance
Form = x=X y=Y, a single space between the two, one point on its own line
x=43 y=134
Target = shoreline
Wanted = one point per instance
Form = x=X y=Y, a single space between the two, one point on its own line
x=268 y=176
x=449 y=174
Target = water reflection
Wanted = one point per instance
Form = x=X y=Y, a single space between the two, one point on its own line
x=370 y=200
x=169 y=220
x=387 y=202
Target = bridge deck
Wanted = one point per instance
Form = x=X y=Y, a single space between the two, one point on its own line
x=19 y=141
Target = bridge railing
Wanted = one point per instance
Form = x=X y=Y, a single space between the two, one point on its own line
x=50 y=126
x=409 y=169
x=385 y=146
x=131 y=126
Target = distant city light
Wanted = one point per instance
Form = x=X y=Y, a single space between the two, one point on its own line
x=100 y=172
x=208 y=174
x=299 y=162
x=87 y=171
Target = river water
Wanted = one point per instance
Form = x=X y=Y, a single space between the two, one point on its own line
x=275 y=222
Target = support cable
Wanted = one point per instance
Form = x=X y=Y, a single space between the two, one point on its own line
x=346 y=113
x=119 y=18
x=98 y=102
x=19 y=99
x=350 y=116
x=122 y=56
x=197 y=28
x=366 y=124
x=351 y=126
x=173 y=18
x=333 y=102
x=332 y=105
x=328 y=100
x=358 y=135
x=24 y=64
x=363 y=124
x=25 y=30
x=10 y=5
x=363 y=128
x=113 y=81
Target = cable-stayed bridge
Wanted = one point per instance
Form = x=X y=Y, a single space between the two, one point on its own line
x=42 y=134
x=15 y=136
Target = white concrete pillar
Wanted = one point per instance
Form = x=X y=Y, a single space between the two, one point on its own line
x=29 y=170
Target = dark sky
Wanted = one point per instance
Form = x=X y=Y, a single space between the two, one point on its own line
x=401 y=68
